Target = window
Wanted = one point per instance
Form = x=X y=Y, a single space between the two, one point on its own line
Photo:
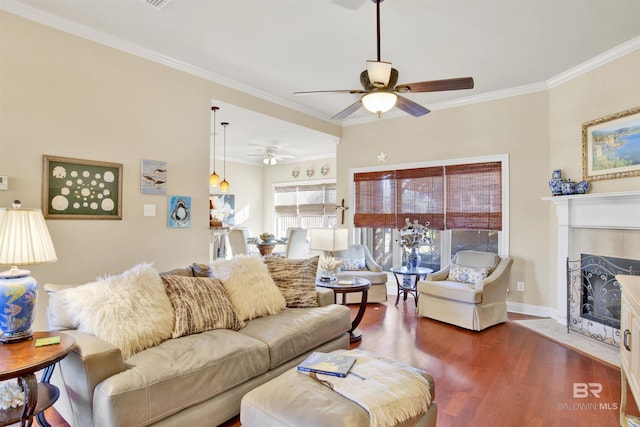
x=305 y=206
x=462 y=201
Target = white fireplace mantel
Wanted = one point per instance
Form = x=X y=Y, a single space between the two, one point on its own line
x=598 y=210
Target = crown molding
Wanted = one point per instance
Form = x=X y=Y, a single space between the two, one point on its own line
x=27 y=12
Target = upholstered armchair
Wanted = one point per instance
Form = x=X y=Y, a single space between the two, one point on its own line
x=358 y=262
x=471 y=292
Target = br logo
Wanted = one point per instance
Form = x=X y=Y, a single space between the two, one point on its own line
x=584 y=390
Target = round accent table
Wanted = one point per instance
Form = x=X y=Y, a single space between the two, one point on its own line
x=409 y=282
x=345 y=286
x=22 y=360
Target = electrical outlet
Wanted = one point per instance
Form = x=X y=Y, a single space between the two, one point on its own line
x=520 y=286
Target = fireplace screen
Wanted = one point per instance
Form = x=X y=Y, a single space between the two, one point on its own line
x=593 y=306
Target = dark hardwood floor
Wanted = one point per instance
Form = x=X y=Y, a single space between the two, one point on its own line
x=503 y=376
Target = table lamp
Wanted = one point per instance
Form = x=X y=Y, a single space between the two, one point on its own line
x=24 y=240
x=328 y=240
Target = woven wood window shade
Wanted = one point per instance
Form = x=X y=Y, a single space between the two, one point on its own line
x=420 y=195
x=312 y=199
x=474 y=196
x=375 y=197
x=472 y=192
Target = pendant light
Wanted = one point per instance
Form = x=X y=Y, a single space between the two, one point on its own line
x=224 y=185
x=214 y=178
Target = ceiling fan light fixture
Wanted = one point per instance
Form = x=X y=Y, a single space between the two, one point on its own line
x=273 y=161
x=379 y=73
x=379 y=102
x=265 y=160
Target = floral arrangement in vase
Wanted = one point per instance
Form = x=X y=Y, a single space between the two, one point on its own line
x=412 y=235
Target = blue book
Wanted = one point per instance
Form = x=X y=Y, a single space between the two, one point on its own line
x=337 y=365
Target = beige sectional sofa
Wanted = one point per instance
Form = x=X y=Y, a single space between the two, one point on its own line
x=193 y=378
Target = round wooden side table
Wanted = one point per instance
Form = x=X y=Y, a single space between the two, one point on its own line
x=345 y=286
x=22 y=360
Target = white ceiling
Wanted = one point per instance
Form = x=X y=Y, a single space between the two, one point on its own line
x=272 y=48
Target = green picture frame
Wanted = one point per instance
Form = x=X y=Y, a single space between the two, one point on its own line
x=81 y=189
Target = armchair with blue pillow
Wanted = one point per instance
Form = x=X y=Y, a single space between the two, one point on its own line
x=357 y=262
x=470 y=292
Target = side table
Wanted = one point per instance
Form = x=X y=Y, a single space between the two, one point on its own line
x=409 y=286
x=346 y=287
x=22 y=360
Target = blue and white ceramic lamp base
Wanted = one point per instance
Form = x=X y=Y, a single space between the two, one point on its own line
x=18 y=297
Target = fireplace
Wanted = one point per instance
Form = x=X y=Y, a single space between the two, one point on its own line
x=598 y=237
x=593 y=307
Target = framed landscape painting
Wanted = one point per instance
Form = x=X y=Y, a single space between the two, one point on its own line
x=611 y=146
x=81 y=189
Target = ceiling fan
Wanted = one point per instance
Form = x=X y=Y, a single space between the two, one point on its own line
x=381 y=91
x=271 y=156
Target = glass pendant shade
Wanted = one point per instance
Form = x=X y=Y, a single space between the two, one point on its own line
x=379 y=102
x=379 y=73
x=224 y=185
x=214 y=179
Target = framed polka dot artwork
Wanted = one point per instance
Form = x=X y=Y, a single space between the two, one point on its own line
x=81 y=189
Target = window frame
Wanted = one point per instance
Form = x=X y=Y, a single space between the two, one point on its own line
x=503 y=236
x=326 y=217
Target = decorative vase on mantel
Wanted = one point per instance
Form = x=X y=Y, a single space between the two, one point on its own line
x=555 y=183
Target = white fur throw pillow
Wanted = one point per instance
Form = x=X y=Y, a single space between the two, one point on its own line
x=131 y=311
x=249 y=286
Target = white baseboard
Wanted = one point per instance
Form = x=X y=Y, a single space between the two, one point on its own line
x=537 y=310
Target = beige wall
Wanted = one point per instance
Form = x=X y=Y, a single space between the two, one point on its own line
x=62 y=95
x=65 y=96
x=540 y=132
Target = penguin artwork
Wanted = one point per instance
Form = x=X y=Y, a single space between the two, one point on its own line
x=180 y=214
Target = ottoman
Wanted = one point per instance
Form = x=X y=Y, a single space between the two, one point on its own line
x=295 y=399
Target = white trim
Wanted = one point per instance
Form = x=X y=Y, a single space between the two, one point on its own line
x=535 y=310
x=33 y=14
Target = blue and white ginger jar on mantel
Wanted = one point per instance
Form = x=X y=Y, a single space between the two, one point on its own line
x=555 y=183
x=568 y=187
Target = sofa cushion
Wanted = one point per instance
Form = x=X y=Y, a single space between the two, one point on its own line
x=178 y=374
x=448 y=289
x=131 y=311
x=251 y=289
x=465 y=274
x=296 y=279
x=298 y=330
x=200 y=304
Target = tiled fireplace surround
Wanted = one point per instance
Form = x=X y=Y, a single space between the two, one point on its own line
x=604 y=224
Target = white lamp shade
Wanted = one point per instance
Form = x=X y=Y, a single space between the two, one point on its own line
x=379 y=102
x=379 y=73
x=24 y=238
x=328 y=239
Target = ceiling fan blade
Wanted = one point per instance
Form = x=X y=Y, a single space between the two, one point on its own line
x=348 y=111
x=410 y=107
x=437 y=85
x=312 y=92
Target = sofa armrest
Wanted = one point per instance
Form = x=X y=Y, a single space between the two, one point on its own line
x=494 y=287
x=371 y=264
x=91 y=362
x=438 y=275
x=324 y=296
